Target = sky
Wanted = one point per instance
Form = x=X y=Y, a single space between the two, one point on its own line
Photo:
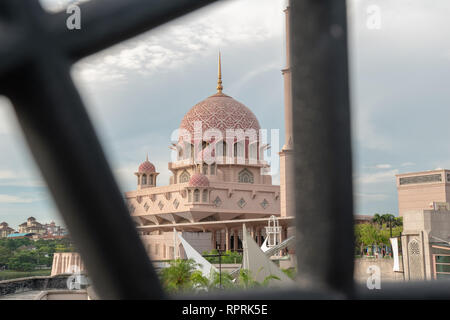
x=137 y=92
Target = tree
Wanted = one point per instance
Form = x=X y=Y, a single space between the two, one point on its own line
x=181 y=275
x=23 y=261
x=377 y=219
x=4 y=257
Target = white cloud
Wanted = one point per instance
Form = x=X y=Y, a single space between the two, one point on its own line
x=5 y=198
x=407 y=164
x=383 y=166
x=19 y=179
x=191 y=37
x=378 y=177
x=371 y=196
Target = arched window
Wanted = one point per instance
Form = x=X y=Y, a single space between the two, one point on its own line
x=239 y=150
x=245 y=176
x=184 y=177
x=205 y=168
x=224 y=149
x=150 y=180
x=205 y=196
x=213 y=169
x=196 y=195
x=253 y=152
x=144 y=179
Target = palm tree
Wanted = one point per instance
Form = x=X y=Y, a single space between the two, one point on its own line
x=377 y=219
x=182 y=275
x=388 y=218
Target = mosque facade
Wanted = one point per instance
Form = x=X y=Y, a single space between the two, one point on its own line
x=220 y=180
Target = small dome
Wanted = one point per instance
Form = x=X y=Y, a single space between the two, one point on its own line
x=146 y=167
x=198 y=180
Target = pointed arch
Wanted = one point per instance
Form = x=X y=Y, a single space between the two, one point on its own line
x=184 y=177
x=196 y=195
x=245 y=176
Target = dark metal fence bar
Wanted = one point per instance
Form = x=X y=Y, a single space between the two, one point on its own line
x=107 y=22
x=322 y=144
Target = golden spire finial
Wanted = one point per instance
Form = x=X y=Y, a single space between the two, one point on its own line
x=146 y=157
x=219 y=81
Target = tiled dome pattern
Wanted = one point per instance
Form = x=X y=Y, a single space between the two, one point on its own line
x=198 y=180
x=146 y=167
x=220 y=112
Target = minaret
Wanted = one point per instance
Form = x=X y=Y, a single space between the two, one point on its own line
x=219 y=77
x=287 y=174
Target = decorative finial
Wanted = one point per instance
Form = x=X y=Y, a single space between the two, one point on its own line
x=219 y=81
x=146 y=157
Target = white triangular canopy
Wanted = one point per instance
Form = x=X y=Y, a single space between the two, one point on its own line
x=204 y=266
x=259 y=265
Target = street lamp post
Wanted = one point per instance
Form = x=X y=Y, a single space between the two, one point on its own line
x=220 y=255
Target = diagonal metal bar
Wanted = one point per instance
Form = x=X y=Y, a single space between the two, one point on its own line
x=68 y=152
x=322 y=144
x=107 y=22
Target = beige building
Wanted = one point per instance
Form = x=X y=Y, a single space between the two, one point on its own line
x=426 y=244
x=423 y=190
x=5 y=230
x=423 y=199
x=32 y=226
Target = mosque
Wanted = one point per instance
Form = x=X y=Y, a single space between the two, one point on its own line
x=219 y=180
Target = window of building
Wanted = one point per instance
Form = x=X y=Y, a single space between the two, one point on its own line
x=144 y=179
x=253 y=152
x=245 y=176
x=196 y=195
x=205 y=168
x=212 y=169
x=189 y=195
x=184 y=177
x=205 y=195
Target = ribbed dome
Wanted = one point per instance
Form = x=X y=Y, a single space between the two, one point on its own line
x=220 y=112
x=146 y=167
x=198 y=180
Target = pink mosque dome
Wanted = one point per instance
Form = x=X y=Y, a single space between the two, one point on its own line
x=198 y=180
x=146 y=167
x=220 y=112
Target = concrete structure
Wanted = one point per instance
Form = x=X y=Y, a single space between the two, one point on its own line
x=287 y=176
x=67 y=262
x=426 y=244
x=423 y=199
x=386 y=269
x=362 y=218
x=423 y=190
